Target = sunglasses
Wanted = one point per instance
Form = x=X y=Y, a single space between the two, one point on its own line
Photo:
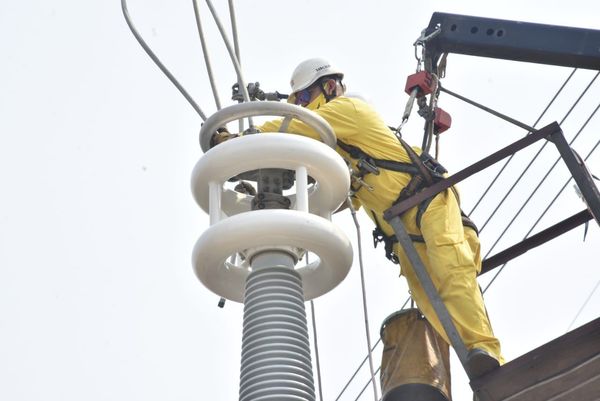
x=302 y=98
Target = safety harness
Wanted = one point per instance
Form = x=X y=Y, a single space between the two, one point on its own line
x=424 y=171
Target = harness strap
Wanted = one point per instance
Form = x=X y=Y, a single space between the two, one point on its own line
x=390 y=240
x=357 y=153
x=416 y=161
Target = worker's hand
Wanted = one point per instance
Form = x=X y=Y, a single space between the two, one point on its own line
x=221 y=136
x=245 y=188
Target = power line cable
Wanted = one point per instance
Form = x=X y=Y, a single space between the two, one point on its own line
x=551 y=202
x=236 y=42
x=157 y=61
x=367 y=385
x=534 y=159
x=232 y=55
x=584 y=305
x=364 y=297
x=316 y=342
x=236 y=46
x=205 y=54
x=365 y=359
x=511 y=156
x=538 y=185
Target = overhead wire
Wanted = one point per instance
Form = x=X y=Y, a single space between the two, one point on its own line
x=367 y=385
x=531 y=195
x=205 y=54
x=316 y=342
x=235 y=57
x=530 y=129
x=318 y=361
x=157 y=61
x=364 y=297
x=551 y=202
x=236 y=46
x=366 y=358
x=584 y=305
x=513 y=186
x=234 y=32
x=232 y=55
x=512 y=156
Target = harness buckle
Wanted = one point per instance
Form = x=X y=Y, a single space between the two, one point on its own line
x=366 y=166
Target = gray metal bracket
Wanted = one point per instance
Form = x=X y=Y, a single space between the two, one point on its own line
x=429 y=288
x=579 y=172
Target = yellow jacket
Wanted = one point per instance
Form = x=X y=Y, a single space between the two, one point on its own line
x=450 y=253
x=356 y=123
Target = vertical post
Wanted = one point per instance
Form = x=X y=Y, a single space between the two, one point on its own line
x=580 y=174
x=301 y=189
x=214 y=193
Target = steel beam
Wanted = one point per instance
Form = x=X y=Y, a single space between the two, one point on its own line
x=513 y=40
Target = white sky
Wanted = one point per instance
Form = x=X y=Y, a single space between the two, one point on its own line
x=98 y=299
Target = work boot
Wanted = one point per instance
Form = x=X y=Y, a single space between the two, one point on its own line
x=480 y=362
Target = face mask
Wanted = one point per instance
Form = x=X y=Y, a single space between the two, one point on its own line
x=317 y=102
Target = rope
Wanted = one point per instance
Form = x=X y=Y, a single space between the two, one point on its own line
x=535 y=158
x=205 y=54
x=158 y=62
x=533 y=192
x=364 y=297
x=511 y=156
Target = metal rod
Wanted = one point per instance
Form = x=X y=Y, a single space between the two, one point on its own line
x=434 y=297
x=491 y=111
x=469 y=171
x=541 y=216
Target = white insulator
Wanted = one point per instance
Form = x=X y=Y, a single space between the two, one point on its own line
x=272 y=150
x=238 y=111
x=274 y=229
x=276 y=362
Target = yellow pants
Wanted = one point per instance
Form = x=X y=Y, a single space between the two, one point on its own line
x=451 y=255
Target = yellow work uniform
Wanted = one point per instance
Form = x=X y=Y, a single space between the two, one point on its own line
x=450 y=252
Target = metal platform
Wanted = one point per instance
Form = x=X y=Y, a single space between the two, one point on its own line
x=565 y=369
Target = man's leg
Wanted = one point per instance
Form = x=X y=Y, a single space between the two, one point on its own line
x=453 y=267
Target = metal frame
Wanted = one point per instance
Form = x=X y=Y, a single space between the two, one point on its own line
x=581 y=176
x=512 y=40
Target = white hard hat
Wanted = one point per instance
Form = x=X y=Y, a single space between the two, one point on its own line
x=309 y=71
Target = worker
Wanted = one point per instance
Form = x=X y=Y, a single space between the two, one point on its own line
x=449 y=250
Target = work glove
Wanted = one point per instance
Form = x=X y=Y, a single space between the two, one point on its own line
x=245 y=188
x=221 y=136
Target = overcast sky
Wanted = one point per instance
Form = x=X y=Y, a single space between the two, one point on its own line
x=98 y=299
